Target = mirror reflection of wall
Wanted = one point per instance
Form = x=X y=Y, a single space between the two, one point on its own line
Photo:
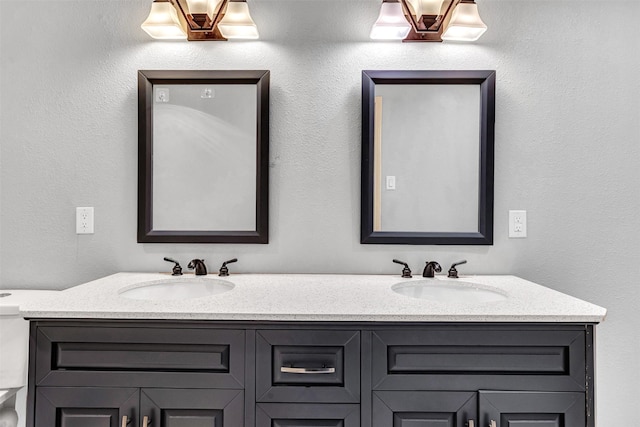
x=429 y=158
x=204 y=157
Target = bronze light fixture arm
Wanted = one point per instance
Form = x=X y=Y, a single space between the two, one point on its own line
x=420 y=32
x=200 y=26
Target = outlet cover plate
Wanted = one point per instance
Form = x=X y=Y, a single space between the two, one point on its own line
x=517 y=224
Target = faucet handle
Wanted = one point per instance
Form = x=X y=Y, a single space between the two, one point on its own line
x=406 y=271
x=177 y=270
x=224 y=270
x=453 y=273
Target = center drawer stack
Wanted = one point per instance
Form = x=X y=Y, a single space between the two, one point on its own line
x=307 y=377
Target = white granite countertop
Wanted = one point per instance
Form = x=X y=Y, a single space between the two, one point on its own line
x=314 y=297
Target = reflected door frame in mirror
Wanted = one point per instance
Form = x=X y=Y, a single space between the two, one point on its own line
x=369 y=234
x=146 y=81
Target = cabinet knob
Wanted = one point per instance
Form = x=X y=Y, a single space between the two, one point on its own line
x=125 y=421
x=493 y=424
x=471 y=423
x=146 y=421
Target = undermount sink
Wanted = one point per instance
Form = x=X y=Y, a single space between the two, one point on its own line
x=449 y=291
x=176 y=289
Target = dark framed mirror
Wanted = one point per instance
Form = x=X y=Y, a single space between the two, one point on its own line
x=203 y=153
x=427 y=157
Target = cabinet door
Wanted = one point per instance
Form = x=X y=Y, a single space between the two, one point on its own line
x=532 y=409
x=307 y=415
x=86 y=406
x=424 y=408
x=192 y=408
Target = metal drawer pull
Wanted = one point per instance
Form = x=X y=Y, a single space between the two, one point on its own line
x=493 y=424
x=146 y=421
x=291 y=370
x=125 y=421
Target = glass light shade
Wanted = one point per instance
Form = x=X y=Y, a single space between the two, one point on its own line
x=163 y=22
x=237 y=22
x=426 y=7
x=203 y=6
x=197 y=6
x=465 y=24
x=391 y=23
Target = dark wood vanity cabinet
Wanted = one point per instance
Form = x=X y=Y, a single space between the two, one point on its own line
x=214 y=374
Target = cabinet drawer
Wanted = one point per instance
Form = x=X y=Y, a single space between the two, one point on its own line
x=140 y=356
x=308 y=366
x=471 y=358
x=307 y=415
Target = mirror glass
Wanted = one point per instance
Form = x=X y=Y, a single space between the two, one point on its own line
x=427 y=170
x=203 y=153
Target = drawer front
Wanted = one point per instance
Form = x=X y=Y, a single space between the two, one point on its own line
x=460 y=358
x=307 y=415
x=140 y=356
x=307 y=366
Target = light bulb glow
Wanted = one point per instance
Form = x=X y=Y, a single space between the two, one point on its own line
x=425 y=7
x=465 y=25
x=163 y=22
x=210 y=7
x=237 y=22
x=391 y=23
x=197 y=6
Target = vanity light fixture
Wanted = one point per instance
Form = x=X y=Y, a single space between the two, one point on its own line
x=200 y=20
x=432 y=21
x=237 y=22
x=391 y=23
x=162 y=22
x=465 y=24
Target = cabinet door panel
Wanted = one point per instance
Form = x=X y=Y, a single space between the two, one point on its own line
x=423 y=408
x=193 y=407
x=532 y=409
x=192 y=418
x=140 y=356
x=479 y=357
x=87 y=406
x=307 y=415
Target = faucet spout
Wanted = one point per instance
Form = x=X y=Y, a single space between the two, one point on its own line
x=431 y=268
x=198 y=264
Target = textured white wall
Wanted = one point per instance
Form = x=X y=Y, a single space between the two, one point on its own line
x=567 y=147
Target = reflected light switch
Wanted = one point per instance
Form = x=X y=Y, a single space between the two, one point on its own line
x=391 y=182
x=207 y=93
x=162 y=94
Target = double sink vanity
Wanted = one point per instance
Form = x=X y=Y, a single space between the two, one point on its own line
x=259 y=350
x=276 y=350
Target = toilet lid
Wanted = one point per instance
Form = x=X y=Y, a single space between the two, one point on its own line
x=10 y=299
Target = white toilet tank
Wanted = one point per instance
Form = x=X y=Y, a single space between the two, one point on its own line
x=14 y=337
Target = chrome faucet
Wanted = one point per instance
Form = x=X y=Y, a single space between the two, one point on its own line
x=198 y=264
x=431 y=268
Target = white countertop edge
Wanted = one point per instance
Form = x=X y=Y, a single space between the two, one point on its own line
x=313 y=298
x=382 y=318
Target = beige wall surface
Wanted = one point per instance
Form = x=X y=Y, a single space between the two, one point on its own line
x=567 y=148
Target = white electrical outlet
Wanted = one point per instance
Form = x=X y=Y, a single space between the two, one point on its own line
x=84 y=220
x=517 y=224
